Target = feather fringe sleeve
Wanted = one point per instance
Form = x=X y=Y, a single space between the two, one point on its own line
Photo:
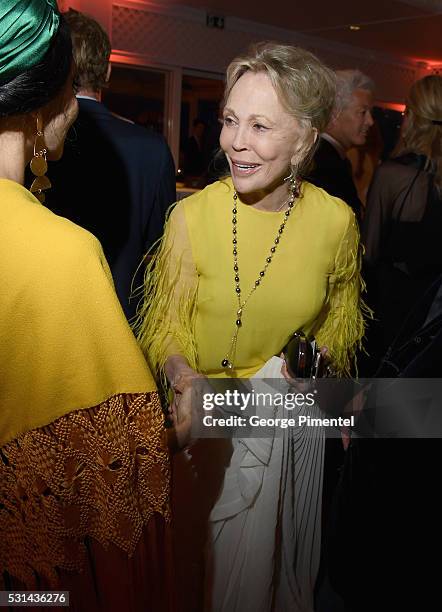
x=343 y=326
x=166 y=319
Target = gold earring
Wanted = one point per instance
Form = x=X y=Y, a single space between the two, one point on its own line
x=39 y=165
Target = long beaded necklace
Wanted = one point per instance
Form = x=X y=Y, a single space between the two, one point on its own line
x=228 y=360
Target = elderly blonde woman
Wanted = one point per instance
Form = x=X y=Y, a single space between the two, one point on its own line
x=244 y=264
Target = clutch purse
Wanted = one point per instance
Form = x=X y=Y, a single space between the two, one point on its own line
x=303 y=357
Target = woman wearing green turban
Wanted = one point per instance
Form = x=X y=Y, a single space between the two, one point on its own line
x=84 y=466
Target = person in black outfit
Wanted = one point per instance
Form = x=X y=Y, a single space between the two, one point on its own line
x=116 y=179
x=386 y=529
x=349 y=126
x=332 y=171
x=402 y=227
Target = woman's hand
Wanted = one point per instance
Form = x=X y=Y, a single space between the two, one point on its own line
x=180 y=376
x=179 y=373
x=182 y=418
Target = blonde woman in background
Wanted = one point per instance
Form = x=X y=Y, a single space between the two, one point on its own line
x=401 y=230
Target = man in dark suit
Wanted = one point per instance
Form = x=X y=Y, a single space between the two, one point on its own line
x=351 y=120
x=115 y=179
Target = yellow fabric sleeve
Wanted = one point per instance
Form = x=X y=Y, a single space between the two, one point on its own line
x=341 y=326
x=165 y=325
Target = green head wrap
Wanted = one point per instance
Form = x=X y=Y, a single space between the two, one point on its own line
x=26 y=31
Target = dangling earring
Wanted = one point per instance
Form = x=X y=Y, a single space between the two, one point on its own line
x=291 y=176
x=292 y=179
x=39 y=165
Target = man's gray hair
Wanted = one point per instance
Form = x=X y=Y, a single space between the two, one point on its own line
x=347 y=82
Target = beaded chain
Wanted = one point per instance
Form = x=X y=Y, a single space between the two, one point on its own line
x=228 y=360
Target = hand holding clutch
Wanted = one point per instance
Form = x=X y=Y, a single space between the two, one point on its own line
x=303 y=357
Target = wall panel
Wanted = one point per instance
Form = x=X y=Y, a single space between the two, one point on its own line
x=178 y=36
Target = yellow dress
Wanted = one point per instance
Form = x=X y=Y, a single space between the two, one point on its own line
x=83 y=455
x=312 y=283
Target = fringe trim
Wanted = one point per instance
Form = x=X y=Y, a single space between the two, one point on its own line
x=167 y=314
x=344 y=327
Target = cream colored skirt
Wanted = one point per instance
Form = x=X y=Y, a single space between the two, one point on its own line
x=265 y=528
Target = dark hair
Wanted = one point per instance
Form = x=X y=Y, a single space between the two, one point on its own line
x=91 y=48
x=42 y=83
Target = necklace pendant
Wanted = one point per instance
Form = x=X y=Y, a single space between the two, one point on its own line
x=226 y=363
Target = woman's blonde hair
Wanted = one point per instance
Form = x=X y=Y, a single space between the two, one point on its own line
x=305 y=86
x=422 y=133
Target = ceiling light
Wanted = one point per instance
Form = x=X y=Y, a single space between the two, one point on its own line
x=355 y=27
